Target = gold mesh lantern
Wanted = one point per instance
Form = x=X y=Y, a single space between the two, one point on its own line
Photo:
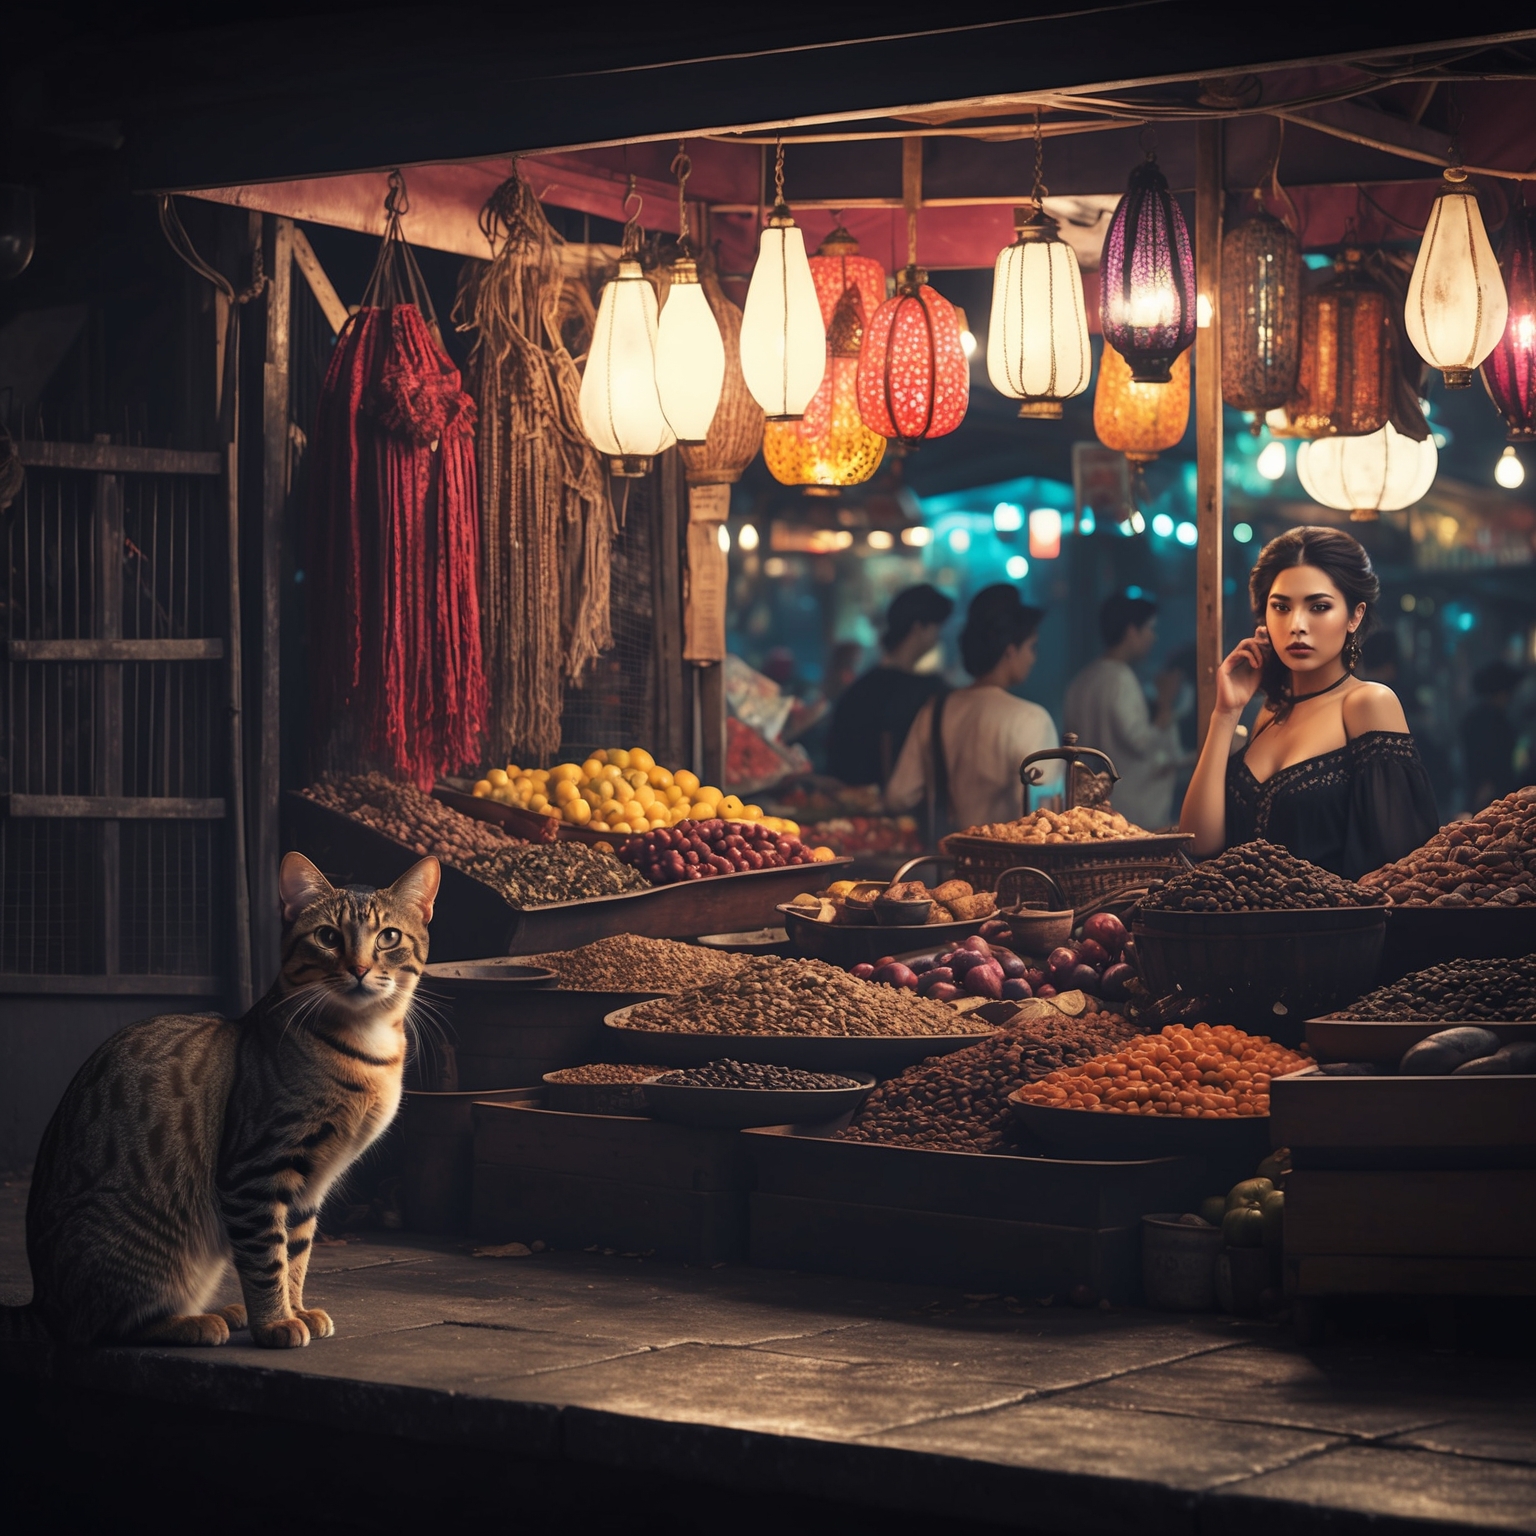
x=1140 y=420
x=1260 y=314
x=736 y=433
x=1344 y=380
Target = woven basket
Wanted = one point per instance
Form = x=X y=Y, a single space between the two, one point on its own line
x=1086 y=872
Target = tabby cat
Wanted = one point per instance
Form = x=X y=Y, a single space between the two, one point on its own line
x=190 y=1140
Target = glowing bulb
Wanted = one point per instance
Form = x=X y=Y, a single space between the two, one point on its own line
x=1138 y=523
x=1509 y=471
x=1087 y=522
x=1045 y=533
x=916 y=537
x=880 y=539
x=1203 y=312
x=959 y=540
x=1242 y=533
x=968 y=343
x=1162 y=526
x=1271 y=461
x=1007 y=518
x=747 y=538
x=1187 y=534
x=1017 y=567
x=725 y=539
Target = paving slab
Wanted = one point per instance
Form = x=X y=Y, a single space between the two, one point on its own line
x=1508 y=1436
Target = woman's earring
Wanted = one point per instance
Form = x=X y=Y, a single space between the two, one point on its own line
x=1352 y=650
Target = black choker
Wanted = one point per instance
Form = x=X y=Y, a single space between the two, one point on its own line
x=1289 y=701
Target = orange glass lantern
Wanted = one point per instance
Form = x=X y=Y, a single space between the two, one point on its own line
x=914 y=379
x=1140 y=420
x=830 y=446
x=1344 y=382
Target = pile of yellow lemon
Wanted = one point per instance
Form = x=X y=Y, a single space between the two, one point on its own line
x=619 y=790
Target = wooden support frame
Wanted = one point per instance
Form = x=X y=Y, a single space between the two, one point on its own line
x=1208 y=418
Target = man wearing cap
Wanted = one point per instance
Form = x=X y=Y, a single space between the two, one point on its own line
x=872 y=718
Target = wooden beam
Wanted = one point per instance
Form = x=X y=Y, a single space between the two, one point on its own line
x=111 y=808
x=104 y=458
x=1208 y=417
x=114 y=650
x=336 y=313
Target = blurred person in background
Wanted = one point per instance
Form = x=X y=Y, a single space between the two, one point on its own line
x=1381 y=661
x=1107 y=709
x=965 y=769
x=871 y=718
x=842 y=670
x=1488 y=736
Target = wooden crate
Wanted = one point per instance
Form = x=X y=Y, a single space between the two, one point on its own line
x=618 y=1181
x=1014 y=1225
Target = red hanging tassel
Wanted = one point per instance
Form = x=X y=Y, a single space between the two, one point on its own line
x=395 y=502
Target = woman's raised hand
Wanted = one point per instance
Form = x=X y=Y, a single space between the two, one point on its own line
x=1237 y=679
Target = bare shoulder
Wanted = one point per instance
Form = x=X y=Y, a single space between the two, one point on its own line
x=1373 y=707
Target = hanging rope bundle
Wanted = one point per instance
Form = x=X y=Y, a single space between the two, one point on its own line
x=546 y=519
x=396 y=630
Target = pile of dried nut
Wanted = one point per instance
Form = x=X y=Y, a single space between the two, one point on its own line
x=1256 y=877
x=770 y=996
x=545 y=874
x=402 y=812
x=959 y=1102
x=626 y=962
x=1082 y=824
x=1483 y=990
x=1487 y=861
x=598 y=1072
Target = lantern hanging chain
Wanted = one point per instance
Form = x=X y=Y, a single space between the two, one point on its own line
x=1041 y=191
x=630 y=251
x=682 y=168
x=778 y=174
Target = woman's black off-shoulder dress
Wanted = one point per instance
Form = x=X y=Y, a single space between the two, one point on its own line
x=1350 y=811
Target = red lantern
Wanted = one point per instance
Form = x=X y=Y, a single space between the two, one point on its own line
x=914 y=380
x=849 y=288
x=1509 y=371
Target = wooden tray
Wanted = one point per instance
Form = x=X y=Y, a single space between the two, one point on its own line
x=1334 y=1039
x=1404 y=1122
x=980 y=1222
x=881 y=1055
x=858 y=944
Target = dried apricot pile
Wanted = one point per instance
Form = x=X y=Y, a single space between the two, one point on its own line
x=1201 y=1073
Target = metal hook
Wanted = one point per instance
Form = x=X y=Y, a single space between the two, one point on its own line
x=778 y=172
x=396 y=201
x=682 y=168
x=631 y=244
x=1041 y=191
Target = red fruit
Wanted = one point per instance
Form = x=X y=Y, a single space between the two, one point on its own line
x=945 y=992
x=1090 y=952
x=1035 y=977
x=984 y=980
x=977 y=943
x=1112 y=985
x=1062 y=961
x=1045 y=990
x=863 y=972
x=895 y=974
x=1105 y=929
x=1084 y=979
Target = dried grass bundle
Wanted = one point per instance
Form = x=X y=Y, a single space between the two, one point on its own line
x=546 y=517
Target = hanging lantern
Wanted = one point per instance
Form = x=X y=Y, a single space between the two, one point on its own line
x=830 y=446
x=690 y=355
x=783 y=337
x=1260 y=314
x=1147 y=293
x=914 y=381
x=1366 y=476
x=736 y=433
x=620 y=408
x=1509 y=371
x=1344 y=379
x=1140 y=420
x=1456 y=306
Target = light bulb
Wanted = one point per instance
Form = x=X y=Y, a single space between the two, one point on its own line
x=690 y=356
x=783 y=337
x=1271 y=461
x=1242 y=533
x=959 y=540
x=1017 y=567
x=620 y=408
x=1045 y=533
x=725 y=539
x=1007 y=518
x=1162 y=526
x=1187 y=534
x=1509 y=471
x=917 y=537
x=879 y=538
x=1138 y=523
x=747 y=538
x=1203 y=311
x=968 y=343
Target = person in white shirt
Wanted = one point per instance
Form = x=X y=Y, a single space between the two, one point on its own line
x=985 y=731
x=1106 y=708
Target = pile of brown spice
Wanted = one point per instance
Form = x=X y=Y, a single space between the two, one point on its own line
x=626 y=962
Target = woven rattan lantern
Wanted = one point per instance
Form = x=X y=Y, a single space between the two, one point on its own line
x=1147 y=276
x=914 y=378
x=1344 y=379
x=1366 y=476
x=1260 y=314
x=1509 y=371
x=1140 y=420
x=1457 y=305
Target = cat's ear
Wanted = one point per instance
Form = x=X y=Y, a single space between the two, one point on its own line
x=418 y=886
x=300 y=885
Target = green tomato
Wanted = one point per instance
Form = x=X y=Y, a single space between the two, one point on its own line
x=1249 y=1192
x=1243 y=1227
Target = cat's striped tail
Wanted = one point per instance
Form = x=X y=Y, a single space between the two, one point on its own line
x=22 y=1325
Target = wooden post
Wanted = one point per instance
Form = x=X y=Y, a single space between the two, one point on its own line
x=711 y=768
x=1208 y=440
x=240 y=983
x=672 y=740
x=265 y=849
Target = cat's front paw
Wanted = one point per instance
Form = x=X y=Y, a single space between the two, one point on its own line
x=317 y=1321
x=234 y=1315
x=285 y=1333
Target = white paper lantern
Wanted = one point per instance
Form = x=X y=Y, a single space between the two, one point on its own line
x=783 y=339
x=690 y=356
x=1366 y=476
x=620 y=408
x=1457 y=306
x=1037 y=341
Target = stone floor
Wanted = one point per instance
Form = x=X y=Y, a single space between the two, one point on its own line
x=592 y=1387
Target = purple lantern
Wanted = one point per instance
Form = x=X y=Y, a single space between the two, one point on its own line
x=1509 y=371
x=1147 y=278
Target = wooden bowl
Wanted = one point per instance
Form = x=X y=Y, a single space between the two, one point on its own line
x=1036 y=931
x=890 y=913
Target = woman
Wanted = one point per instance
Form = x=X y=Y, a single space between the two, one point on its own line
x=1331 y=771
x=984 y=730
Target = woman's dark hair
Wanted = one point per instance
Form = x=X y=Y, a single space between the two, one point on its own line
x=995 y=620
x=1344 y=562
x=1119 y=612
x=922 y=604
